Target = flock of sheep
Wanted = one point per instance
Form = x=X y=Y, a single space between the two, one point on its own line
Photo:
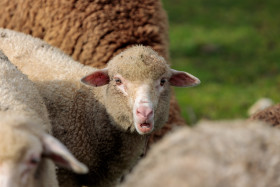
x=95 y=124
x=94 y=31
x=103 y=116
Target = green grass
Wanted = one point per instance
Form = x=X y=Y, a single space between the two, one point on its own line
x=233 y=46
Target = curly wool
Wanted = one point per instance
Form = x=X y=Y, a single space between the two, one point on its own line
x=271 y=115
x=92 y=32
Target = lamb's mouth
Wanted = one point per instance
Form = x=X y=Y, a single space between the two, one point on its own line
x=144 y=128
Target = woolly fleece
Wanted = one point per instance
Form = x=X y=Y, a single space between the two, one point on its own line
x=18 y=94
x=92 y=32
x=23 y=116
x=270 y=115
x=226 y=153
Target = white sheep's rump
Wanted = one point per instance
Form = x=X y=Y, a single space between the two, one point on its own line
x=219 y=153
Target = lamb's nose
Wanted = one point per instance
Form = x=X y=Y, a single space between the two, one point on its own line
x=144 y=112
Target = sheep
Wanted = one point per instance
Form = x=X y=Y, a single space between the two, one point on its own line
x=259 y=105
x=226 y=153
x=270 y=115
x=93 y=32
x=103 y=116
x=26 y=146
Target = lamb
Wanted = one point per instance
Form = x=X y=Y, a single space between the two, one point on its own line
x=26 y=148
x=105 y=117
x=93 y=32
x=270 y=115
x=226 y=153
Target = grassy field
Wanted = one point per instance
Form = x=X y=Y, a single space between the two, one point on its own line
x=233 y=46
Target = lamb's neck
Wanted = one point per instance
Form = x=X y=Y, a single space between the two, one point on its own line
x=99 y=94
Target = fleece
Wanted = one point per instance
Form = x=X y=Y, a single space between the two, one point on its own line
x=271 y=115
x=23 y=117
x=213 y=153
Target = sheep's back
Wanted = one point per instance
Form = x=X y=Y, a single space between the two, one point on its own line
x=92 y=32
x=19 y=95
x=238 y=153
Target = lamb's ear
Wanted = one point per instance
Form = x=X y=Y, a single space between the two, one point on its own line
x=60 y=155
x=97 y=78
x=183 y=79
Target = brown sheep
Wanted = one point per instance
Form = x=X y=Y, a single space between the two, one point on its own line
x=92 y=32
x=271 y=115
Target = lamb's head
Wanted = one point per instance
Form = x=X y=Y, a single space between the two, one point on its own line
x=23 y=154
x=138 y=84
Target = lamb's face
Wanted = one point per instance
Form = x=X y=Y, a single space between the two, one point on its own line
x=138 y=101
x=23 y=152
x=138 y=88
x=20 y=157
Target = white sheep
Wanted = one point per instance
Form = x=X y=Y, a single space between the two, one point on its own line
x=226 y=153
x=25 y=146
x=105 y=124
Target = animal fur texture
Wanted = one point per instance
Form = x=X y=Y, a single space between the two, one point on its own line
x=93 y=32
x=270 y=115
x=19 y=143
x=225 y=153
x=24 y=124
x=95 y=123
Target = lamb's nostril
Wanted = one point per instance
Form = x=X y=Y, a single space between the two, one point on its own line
x=139 y=113
x=144 y=112
x=149 y=113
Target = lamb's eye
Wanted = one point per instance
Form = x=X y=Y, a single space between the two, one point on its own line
x=162 y=82
x=34 y=161
x=118 y=81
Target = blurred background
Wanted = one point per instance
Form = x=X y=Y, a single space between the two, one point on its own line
x=233 y=47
